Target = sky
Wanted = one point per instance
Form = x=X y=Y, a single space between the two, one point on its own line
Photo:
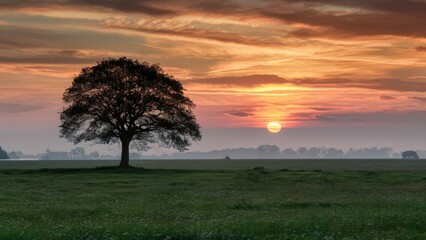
x=341 y=73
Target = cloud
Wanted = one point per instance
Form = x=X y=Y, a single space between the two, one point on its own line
x=128 y=6
x=326 y=118
x=190 y=30
x=67 y=56
x=379 y=117
x=245 y=81
x=385 y=97
x=375 y=118
x=239 y=114
x=341 y=117
x=323 y=109
x=337 y=117
x=8 y=107
x=24 y=37
x=376 y=84
x=361 y=18
x=355 y=24
x=420 y=49
x=398 y=6
x=421 y=99
x=29 y=37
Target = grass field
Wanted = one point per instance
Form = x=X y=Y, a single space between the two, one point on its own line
x=235 y=164
x=300 y=199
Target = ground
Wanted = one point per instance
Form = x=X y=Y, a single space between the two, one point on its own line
x=279 y=199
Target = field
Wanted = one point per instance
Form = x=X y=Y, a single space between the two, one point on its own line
x=234 y=199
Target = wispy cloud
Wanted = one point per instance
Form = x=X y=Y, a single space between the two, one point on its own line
x=363 y=18
x=192 y=30
x=66 y=56
x=8 y=107
x=127 y=6
x=420 y=49
x=239 y=114
x=323 y=109
x=386 y=97
x=375 y=84
x=245 y=81
x=421 y=99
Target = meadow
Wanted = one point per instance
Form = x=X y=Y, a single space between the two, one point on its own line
x=213 y=199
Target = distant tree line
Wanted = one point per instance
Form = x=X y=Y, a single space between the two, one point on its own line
x=15 y=155
x=79 y=153
x=274 y=152
x=262 y=152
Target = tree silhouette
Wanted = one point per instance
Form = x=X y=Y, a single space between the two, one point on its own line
x=410 y=155
x=3 y=154
x=123 y=100
x=289 y=153
x=77 y=153
x=268 y=151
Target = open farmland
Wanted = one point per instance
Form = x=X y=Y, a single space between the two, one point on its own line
x=235 y=164
x=381 y=199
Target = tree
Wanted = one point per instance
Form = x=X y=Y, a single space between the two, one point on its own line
x=268 y=151
x=410 y=155
x=52 y=155
x=302 y=151
x=77 y=153
x=13 y=155
x=333 y=153
x=123 y=100
x=3 y=154
x=289 y=153
x=313 y=153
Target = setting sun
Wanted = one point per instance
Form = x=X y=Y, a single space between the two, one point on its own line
x=274 y=127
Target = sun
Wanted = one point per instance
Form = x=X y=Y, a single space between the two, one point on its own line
x=274 y=127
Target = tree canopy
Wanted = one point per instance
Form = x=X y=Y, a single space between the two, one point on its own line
x=127 y=101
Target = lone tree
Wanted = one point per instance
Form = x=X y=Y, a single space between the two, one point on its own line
x=123 y=100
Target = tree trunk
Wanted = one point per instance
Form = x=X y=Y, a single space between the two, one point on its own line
x=124 y=153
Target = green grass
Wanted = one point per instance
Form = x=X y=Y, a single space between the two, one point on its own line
x=234 y=164
x=265 y=203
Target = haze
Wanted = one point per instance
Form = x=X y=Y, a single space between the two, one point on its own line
x=332 y=73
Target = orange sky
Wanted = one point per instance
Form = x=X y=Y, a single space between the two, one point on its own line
x=303 y=63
